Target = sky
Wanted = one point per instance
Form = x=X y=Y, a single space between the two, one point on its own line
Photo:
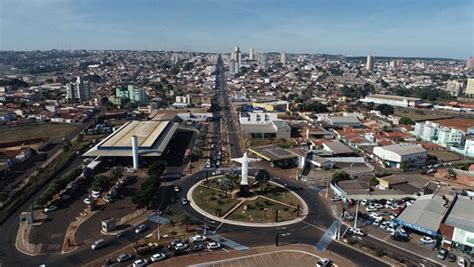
x=408 y=28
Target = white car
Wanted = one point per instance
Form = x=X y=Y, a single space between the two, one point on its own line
x=213 y=245
x=139 y=263
x=176 y=188
x=50 y=208
x=426 y=240
x=87 y=201
x=198 y=238
x=180 y=246
x=95 y=194
x=324 y=262
x=390 y=228
x=157 y=257
x=384 y=224
x=140 y=228
x=357 y=231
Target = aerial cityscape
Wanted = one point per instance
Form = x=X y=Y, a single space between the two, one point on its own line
x=236 y=133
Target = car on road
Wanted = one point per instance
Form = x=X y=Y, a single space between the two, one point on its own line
x=425 y=240
x=356 y=231
x=95 y=193
x=442 y=254
x=324 y=262
x=98 y=244
x=140 y=228
x=140 y=263
x=157 y=257
x=184 y=201
x=87 y=201
x=124 y=257
x=213 y=245
x=180 y=246
x=177 y=189
x=65 y=197
x=197 y=238
x=50 y=208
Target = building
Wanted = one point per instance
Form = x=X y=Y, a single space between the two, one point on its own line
x=251 y=54
x=337 y=148
x=236 y=56
x=134 y=94
x=454 y=88
x=397 y=63
x=277 y=106
x=174 y=58
x=401 y=155
x=458 y=227
x=398 y=101
x=441 y=135
x=78 y=91
x=370 y=62
x=470 y=63
x=283 y=57
x=276 y=155
x=257 y=117
x=340 y=121
x=272 y=129
x=425 y=215
x=470 y=87
x=153 y=137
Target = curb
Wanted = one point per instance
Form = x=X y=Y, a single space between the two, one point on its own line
x=262 y=225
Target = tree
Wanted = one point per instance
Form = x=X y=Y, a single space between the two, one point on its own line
x=340 y=176
x=157 y=168
x=385 y=109
x=262 y=178
x=405 y=121
x=117 y=172
x=407 y=165
x=226 y=184
x=451 y=174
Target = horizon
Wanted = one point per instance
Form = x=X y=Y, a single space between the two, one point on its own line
x=401 y=28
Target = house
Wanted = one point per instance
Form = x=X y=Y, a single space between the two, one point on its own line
x=401 y=155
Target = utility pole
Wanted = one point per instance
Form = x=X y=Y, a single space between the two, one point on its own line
x=327 y=186
x=276 y=215
x=158 y=232
x=357 y=212
x=276 y=239
x=205 y=226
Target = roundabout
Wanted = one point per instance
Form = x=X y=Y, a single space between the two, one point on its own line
x=254 y=201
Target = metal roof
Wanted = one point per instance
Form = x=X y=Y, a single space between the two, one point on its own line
x=404 y=148
x=462 y=215
x=427 y=212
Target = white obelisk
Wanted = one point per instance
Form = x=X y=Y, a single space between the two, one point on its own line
x=244 y=183
x=135 y=152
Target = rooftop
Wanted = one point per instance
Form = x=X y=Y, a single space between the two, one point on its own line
x=456 y=123
x=272 y=153
x=394 y=97
x=427 y=212
x=404 y=149
x=338 y=148
x=153 y=137
x=461 y=215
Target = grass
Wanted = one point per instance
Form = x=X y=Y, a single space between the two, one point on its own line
x=279 y=193
x=444 y=155
x=45 y=130
x=210 y=200
x=255 y=212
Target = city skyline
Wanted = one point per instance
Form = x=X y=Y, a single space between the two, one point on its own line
x=395 y=29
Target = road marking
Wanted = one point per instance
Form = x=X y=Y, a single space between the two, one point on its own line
x=218 y=227
x=328 y=235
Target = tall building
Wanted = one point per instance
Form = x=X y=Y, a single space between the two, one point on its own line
x=78 y=91
x=174 y=58
x=251 y=54
x=370 y=62
x=470 y=87
x=283 y=57
x=454 y=88
x=470 y=63
x=236 y=56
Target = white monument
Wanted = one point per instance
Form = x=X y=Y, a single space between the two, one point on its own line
x=244 y=183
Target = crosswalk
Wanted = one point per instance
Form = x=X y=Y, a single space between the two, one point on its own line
x=161 y=220
x=327 y=237
x=227 y=242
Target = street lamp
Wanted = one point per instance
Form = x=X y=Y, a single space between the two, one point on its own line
x=265 y=213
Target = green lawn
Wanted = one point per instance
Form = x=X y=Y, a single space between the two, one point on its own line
x=255 y=212
x=280 y=194
x=211 y=200
x=45 y=130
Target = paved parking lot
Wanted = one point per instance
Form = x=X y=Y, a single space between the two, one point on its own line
x=274 y=259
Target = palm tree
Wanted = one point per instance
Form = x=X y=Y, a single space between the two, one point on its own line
x=262 y=178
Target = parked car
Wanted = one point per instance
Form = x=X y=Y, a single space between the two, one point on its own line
x=180 y=246
x=425 y=240
x=197 y=247
x=98 y=244
x=451 y=257
x=50 y=208
x=213 y=245
x=87 y=201
x=324 y=262
x=95 y=193
x=65 y=197
x=336 y=198
x=198 y=238
x=442 y=254
x=462 y=262
x=139 y=263
x=384 y=224
x=157 y=257
x=176 y=188
x=140 y=228
x=124 y=257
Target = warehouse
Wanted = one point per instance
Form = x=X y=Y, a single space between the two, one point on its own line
x=392 y=100
x=401 y=155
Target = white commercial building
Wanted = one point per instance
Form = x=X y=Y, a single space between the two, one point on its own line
x=370 y=62
x=395 y=156
x=78 y=91
x=392 y=100
x=257 y=117
x=443 y=136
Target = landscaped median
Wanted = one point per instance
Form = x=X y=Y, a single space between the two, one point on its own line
x=36 y=181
